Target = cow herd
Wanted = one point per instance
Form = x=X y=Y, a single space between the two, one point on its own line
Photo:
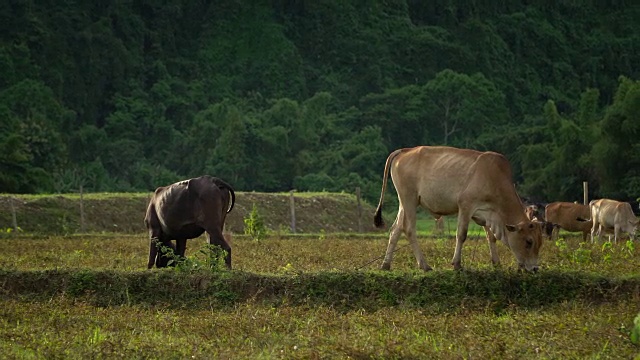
x=476 y=186
x=602 y=215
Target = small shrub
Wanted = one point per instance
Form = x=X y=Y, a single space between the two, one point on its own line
x=254 y=225
x=581 y=255
x=213 y=259
x=630 y=247
x=635 y=332
x=607 y=250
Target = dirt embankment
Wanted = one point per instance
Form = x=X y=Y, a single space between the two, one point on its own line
x=61 y=214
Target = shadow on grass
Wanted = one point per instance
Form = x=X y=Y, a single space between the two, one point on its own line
x=445 y=291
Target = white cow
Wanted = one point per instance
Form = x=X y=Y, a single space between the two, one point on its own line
x=611 y=215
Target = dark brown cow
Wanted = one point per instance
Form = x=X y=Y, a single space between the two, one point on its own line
x=566 y=214
x=475 y=185
x=185 y=210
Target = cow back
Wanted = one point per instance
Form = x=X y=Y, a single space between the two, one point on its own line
x=567 y=215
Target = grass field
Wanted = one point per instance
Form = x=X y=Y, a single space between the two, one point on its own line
x=313 y=297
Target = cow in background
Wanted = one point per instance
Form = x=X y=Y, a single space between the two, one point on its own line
x=565 y=216
x=477 y=186
x=612 y=216
x=534 y=209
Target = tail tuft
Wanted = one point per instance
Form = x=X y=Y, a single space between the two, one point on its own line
x=377 y=218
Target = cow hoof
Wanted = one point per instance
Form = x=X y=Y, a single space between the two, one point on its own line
x=457 y=266
x=427 y=268
x=385 y=266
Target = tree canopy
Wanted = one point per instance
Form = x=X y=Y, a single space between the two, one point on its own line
x=313 y=95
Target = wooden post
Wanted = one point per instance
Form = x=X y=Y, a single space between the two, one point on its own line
x=14 y=220
x=359 y=209
x=293 y=212
x=585 y=192
x=82 y=227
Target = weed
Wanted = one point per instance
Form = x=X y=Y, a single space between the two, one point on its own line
x=212 y=259
x=561 y=244
x=96 y=336
x=581 y=255
x=254 y=225
x=635 y=332
x=630 y=247
x=10 y=230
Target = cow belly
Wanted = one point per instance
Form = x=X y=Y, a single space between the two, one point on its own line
x=438 y=203
x=189 y=231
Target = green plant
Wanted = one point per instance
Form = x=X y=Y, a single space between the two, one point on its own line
x=561 y=244
x=581 y=255
x=635 y=332
x=213 y=259
x=254 y=224
x=630 y=247
x=607 y=249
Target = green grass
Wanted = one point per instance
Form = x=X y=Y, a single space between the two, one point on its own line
x=303 y=297
x=72 y=330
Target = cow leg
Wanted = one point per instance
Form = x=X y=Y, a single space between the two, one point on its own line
x=153 y=252
x=217 y=238
x=616 y=233
x=495 y=259
x=461 y=236
x=411 y=233
x=162 y=260
x=394 y=235
x=600 y=228
x=181 y=247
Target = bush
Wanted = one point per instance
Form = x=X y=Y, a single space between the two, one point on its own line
x=254 y=225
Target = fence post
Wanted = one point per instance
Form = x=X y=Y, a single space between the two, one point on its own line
x=585 y=192
x=82 y=227
x=293 y=211
x=14 y=219
x=359 y=209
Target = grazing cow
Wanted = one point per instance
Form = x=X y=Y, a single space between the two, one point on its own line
x=475 y=185
x=534 y=210
x=611 y=215
x=185 y=210
x=566 y=214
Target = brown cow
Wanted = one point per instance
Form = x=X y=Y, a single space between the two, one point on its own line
x=185 y=210
x=566 y=214
x=611 y=215
x=475 y=185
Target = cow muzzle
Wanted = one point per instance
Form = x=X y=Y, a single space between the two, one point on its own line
x=531 y=268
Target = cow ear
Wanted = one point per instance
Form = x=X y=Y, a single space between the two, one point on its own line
x=513 y=228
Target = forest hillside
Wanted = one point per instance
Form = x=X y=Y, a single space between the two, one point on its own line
x=313 y=95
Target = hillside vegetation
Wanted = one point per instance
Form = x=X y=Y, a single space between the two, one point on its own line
x=313 y=95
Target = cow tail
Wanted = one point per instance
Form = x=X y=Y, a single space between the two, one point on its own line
x=222 y=184
x=233 y=199
x=377 y=218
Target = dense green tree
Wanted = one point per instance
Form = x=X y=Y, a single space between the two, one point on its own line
x=276 y=95
x=616 y=153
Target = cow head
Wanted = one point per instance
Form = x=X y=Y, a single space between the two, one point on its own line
x=524 y=240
